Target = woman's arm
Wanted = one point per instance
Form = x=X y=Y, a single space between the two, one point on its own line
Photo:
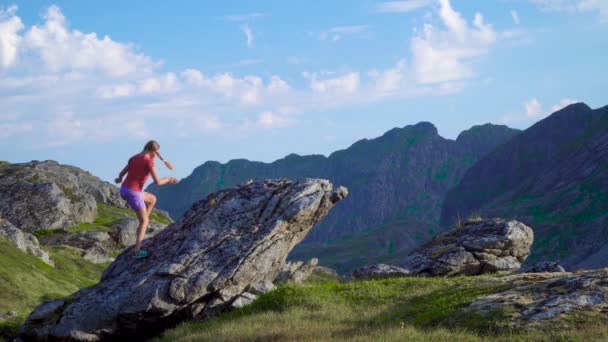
x=122 y=174
x=161 y=181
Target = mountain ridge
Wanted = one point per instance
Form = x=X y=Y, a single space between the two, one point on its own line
x=400 y=176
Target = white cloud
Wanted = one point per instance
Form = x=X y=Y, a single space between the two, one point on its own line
x=344 y=84
x=336 y=33
x=562 y=104
x=95 y=89
x=446 y=55
x=119 y=90
x=165 y=83
x=268 y=119
x=575 y=6
x=390 y=81
x=248 y=35
x=10 y=25
x=193 y=77
x=533 y=108
x=403 y=6
x=515 y=16
x=61 y=49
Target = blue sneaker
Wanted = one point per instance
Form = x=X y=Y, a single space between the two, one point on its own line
x=140 y=254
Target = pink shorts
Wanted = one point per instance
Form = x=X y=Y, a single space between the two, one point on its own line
x=134 y=198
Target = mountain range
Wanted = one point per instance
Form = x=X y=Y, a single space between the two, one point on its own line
x=410 y=184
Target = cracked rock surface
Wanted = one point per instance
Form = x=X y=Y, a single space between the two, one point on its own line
x=198 y=266
x=478 y=247
x=535 y=298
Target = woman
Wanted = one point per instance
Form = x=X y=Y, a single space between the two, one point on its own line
x=138 y=169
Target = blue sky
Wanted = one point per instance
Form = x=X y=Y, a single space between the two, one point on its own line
x=88 y=83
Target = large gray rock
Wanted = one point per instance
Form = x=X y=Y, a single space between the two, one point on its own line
x=380 y=271
x=44 y=195
x=296 y=271
x=198 y=266
x=480 y=246
x=24 y=241
x=124 y=232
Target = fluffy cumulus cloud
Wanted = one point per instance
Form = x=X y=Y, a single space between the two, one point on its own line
x=533 y=108
x=446 y=54
x=60 y=49
x=10 y=25
x=61 y=86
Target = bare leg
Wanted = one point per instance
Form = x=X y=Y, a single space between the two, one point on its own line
x=150 y=201
x=142 y=216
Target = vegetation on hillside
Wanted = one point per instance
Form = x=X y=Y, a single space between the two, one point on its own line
x=26 y=281
x=410 y=308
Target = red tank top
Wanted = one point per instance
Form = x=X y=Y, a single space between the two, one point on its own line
x=139 y=169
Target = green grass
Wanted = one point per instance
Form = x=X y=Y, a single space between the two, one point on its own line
x=403 y=309
x=26 y=281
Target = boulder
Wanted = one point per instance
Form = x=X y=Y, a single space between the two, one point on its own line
x=326 y=270
x=533 y=298
x=47 y=195
x=261 y=288
x=198 y=266
x=24 y=241
x=544 y=266
x=479 y=246
x=379 y=271
x=124 y=231
x=296 y=271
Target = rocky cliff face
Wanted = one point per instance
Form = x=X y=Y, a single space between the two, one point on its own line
x=44 y=195
x=397 y=184
x=553 y=176
x=207 y=261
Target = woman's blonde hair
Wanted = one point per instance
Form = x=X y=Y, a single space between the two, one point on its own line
x=151 y=146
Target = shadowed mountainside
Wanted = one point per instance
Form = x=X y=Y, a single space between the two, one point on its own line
x=398 y=181
x=554 y=177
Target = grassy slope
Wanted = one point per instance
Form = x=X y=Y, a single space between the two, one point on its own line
x=404 y=309
x=25 y=281
x=387 y=243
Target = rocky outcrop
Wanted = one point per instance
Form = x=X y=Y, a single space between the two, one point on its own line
x=379 y=271
x=479 y=246
x=95 y=247
x=545 y=266
x=296 y=271
x=198 y=266
x=124 y=232
x=533 y=299
x=44 y=195
x=24 y=241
